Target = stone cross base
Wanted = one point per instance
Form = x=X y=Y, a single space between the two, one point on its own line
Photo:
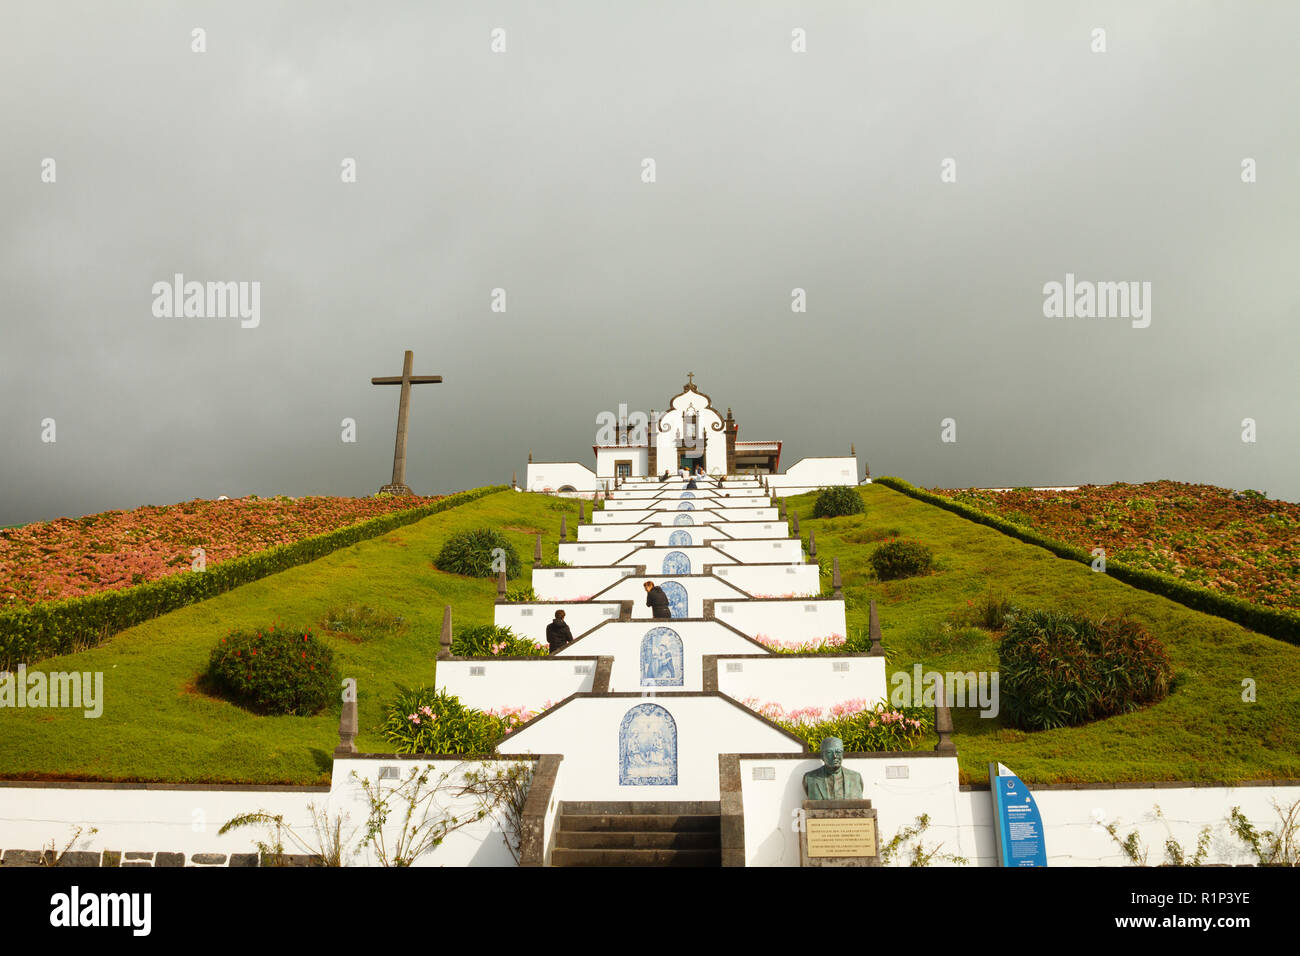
x=396 y=490
x=839 y=833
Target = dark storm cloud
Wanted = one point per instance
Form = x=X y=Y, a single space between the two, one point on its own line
x=521 y=171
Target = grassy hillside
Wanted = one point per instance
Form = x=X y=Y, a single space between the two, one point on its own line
x=157 y=726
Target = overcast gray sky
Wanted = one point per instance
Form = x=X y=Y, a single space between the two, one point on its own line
x=522 y=170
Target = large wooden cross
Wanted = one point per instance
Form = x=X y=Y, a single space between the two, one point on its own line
x=406 y=380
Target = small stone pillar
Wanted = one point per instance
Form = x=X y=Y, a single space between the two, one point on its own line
x=836 y=583
x=501 y=585
x=812 y=544
x=564 y=528
x=794 y=523
x=537 y=549
x=444 y=639
x=347 y=728
x=514 y=480
x=780 y=504
x=581 y=514
x=943 y=726
x=873 y=630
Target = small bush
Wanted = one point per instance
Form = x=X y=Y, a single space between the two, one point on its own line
x=838 y=501
x=489 y=640
x=357 y=623
x=901 y=559
x=422 y=720
x=1060 y=670
x=521 y=592
x=879 y=728
x=274 y=671
x=993 y=612
x=472 y=553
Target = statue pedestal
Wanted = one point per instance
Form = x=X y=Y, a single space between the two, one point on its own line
x=396 y=490
x=839 y=833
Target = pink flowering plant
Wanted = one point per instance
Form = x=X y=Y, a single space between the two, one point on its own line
x=423 y=720
x=864 y=728
x=490 y=640
x=814 y=645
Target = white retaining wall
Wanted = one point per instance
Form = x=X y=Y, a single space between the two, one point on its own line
x=797 y=682
x=698 y=588
x=1073 y=820
x=622 y=641
x=492 y=683
x=791 y=620
x=773 y=580
x=761 y=550
x=530 y=620
x=572 y=584
x=586 y=732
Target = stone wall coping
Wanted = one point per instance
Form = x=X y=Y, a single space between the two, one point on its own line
x=138 y=785
x=1144 y=784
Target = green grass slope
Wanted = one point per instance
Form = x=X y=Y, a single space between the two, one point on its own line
x=157 y=726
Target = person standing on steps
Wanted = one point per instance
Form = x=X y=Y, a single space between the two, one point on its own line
x=558 y=633
x=656 y=600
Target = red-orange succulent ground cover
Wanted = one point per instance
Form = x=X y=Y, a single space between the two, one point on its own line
x=70 y=557
x=1240 y=543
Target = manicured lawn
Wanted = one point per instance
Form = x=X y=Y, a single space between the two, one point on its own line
x=157 y=726
x=1202 y=731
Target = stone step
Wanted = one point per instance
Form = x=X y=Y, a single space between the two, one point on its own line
x=641 y=806
x=562 y=856
x=640 y=822
x=632 y=840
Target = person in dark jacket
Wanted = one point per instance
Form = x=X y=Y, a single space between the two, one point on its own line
x=558 y=633
x=656 y=600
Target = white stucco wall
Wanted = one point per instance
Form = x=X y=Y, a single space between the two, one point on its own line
x=809 y=473
x=585 y=730
x=569 y=584
x=771 y=805
x=1073 y=819
x=773 y=580
x=793 y=682
x=791 y=620
x=622 y=641
x=754 y=529
x=481 y=843
x=553 y=475
x=492 y=683
x=530 y=620
x=762 y=550
x=698 y=588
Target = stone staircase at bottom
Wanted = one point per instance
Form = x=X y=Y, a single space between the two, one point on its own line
x=659 y=833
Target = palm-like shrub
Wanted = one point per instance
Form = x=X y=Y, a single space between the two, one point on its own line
x=901 y=559
x=474 y=552
x=837 y=501
x=1059 y=670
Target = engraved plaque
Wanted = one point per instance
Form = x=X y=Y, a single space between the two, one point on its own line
x=841 y=836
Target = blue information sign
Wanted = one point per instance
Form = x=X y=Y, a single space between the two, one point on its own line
x=1017 y=823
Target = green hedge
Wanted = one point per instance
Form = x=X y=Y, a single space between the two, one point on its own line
x=1281 y=624
x=30 y=633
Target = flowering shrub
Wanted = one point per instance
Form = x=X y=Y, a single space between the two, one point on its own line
x=422 y=720
x=274 y=671
x=70 y=557
x=29 y=632
x=1237 y=542
x=474 y=553
x=490 y=640
x=810 y=646
x=864 y=729
x=1282 y=622
x=1059 y=670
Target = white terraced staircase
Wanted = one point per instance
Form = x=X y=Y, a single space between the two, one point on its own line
x=640 y=709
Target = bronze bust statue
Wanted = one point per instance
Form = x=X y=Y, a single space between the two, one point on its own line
x=832 y=781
